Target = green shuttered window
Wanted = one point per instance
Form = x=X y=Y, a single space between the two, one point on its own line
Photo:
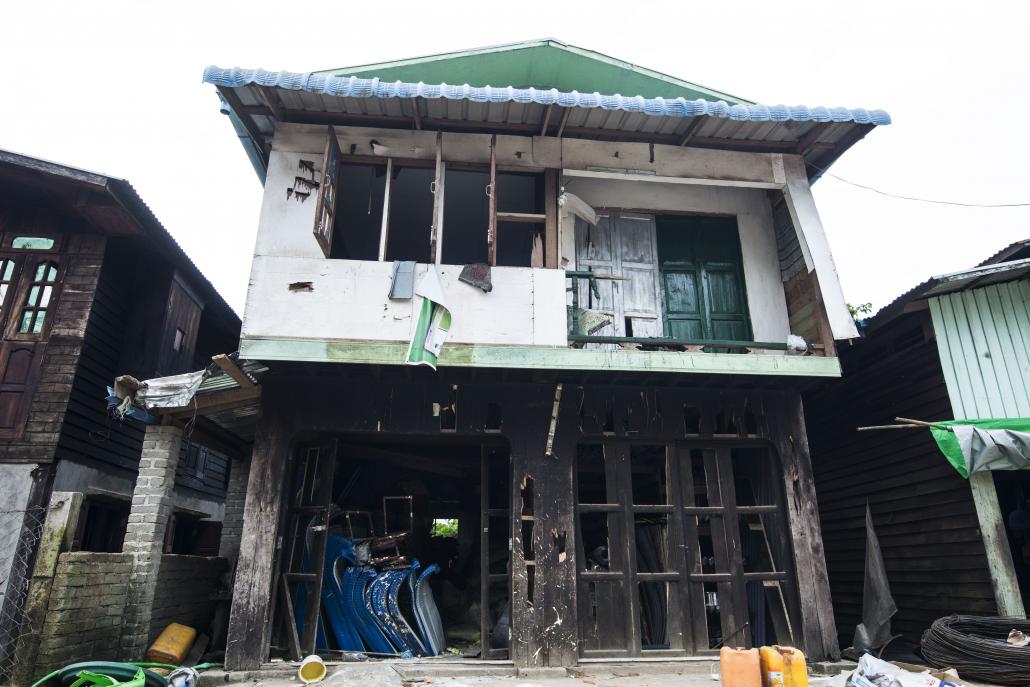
x=703 y=278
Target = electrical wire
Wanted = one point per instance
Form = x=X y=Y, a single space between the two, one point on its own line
x=975 y=646
x=934 y=201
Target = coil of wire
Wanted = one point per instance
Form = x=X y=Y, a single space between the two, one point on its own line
x=976 y=647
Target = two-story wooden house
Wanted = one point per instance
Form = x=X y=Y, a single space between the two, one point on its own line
x=623 y=296
x=92 y=286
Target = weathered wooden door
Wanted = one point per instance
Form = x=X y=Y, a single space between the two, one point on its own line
x=703 y=278
x=682 y=548
x=622 y=245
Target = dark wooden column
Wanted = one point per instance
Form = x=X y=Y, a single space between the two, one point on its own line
x=544 y=624
x=786 y=427
x=249 y=626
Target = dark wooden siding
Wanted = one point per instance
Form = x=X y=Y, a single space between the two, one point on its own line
x=922 y=509
x=87 y=435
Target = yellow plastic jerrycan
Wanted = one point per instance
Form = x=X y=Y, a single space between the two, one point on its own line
x=740 y=667
x=172 y=645
x=783 y=666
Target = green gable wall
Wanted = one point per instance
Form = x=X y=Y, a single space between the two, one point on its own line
x=538 y=64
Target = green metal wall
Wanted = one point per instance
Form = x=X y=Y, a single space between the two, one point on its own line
x=983 y=336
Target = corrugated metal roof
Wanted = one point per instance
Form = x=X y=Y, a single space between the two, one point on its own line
x=888 y=312
x=259 y=98
x=358 y=88
x=979 y=276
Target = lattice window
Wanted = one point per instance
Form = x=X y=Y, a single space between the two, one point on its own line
x=39 y=295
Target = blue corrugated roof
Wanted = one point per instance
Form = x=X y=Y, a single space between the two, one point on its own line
x=354 y=87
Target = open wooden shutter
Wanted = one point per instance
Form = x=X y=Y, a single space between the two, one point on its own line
x=491 y=231
x=20 y=363
x=325 y=211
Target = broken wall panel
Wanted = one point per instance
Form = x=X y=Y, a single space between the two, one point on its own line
x=548 y=627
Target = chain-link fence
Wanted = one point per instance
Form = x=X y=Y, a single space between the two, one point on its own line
x=20 y=531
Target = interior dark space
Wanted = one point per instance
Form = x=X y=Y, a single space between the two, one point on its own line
x=411 y=214
x=359 y=212
x=405 y=540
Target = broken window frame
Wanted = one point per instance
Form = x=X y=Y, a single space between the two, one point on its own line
x=545 y=248
x=687 y=618
x=325 y=208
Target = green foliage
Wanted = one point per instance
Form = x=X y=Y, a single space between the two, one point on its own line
x=445 y=527
x=860 y=311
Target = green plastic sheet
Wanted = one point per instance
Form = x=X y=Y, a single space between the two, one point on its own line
x=948 y=443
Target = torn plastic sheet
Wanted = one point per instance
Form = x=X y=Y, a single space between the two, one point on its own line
x=979 y=445
x=170 y=392
x=878 y=605
x=434 y=321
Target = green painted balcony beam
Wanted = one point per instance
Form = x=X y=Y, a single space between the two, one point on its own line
x=542 y=358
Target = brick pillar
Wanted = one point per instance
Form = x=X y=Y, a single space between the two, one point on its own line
x=232 y=523
x=144 y=537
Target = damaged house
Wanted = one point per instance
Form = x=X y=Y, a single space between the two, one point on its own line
x=534 y=357
x=92 y=286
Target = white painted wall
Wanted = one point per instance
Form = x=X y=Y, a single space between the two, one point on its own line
x=349 y=298
x=766 y=301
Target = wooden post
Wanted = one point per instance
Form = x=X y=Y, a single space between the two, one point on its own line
x=996 y=543
x=384 y=231
x=544 y=627
x=249 y=620
x=491 y=231
x=786 y=419
x=551 y=239
x=436 y=234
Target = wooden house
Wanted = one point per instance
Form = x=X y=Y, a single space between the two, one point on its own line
x=631 y=292
x=92 y=286
x=953 y=347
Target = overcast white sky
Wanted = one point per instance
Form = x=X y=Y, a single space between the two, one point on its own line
x=115 y=87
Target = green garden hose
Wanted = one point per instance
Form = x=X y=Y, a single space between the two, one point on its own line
x=122 y=672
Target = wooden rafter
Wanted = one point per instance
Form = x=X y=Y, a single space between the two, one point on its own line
x=691 y=129
x=416 y=113
x=233 y=370
x=243 y=112
x=547 y=120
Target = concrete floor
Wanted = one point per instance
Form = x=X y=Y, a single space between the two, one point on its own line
x=438 y=674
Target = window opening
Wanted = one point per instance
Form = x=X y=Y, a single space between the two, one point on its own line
x=411 y=214
x=41 y=289
x=445 y=527
x=520 y=219
x=177 y=340
x=32 y=243
x=102 y=524
x=6 y=278
x=360 y=197
x=467 y=212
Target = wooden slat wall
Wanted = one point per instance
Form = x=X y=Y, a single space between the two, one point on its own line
x=984 y=341
x=86 y=433
x=792 y=260
x=922 y=509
